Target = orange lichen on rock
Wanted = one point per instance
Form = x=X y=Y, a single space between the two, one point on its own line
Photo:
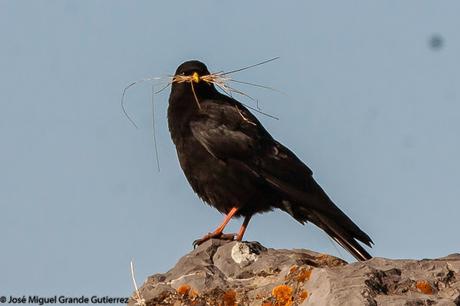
x=229 y=298
x=303 y=295
x=187 y=290
x=183 y=289
x=424 y=287
x=292 y=271
x=304 y=275
x=192 y=294
x=297 y=274
x=283 y=295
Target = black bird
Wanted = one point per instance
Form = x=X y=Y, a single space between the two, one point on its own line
x=236 y=166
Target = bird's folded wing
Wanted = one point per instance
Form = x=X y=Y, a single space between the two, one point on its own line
x=222 y=142
x=219 y=134
x=223 y=131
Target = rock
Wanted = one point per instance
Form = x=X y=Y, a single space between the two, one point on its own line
x=246 y=273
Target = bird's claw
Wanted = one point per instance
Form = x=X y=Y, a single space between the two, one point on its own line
x=208 y=236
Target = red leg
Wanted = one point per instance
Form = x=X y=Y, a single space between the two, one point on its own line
x=243 y=227
x=227 y=219
x=218 y=231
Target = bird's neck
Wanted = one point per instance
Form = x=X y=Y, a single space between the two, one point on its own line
x=182 y=107
x=185 y=103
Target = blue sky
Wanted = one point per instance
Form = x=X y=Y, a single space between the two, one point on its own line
x=368 y=105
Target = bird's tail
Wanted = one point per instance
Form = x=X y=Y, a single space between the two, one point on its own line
x=314 y=205
x=343 y=231
x=344 y=238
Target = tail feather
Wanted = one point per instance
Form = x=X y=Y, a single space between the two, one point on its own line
x=336 y=224
x=314 y=205
x=347 y=237
x=343 y=238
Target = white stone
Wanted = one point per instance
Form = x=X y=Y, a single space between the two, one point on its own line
x=241 y=254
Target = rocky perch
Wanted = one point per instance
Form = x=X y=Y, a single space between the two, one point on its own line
x=246 y=273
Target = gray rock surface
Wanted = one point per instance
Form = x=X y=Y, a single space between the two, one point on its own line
x=246 y=273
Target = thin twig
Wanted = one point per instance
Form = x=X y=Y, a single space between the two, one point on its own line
x=157 y=156
x=251 y=66
x=123 y=104
x=195 y=96
x=242 y=116
x=123 y=96
x=138 y=298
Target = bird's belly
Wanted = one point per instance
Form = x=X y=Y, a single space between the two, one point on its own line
x=225 y=184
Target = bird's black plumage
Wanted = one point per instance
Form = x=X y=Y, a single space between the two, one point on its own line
x=231 y=161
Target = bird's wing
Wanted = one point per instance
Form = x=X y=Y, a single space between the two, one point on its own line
x=308 y=202
x=285 y=172
x=227 y=131
x=230 y=131
x=281 y=163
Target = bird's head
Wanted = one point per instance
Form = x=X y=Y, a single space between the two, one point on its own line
x=193 y=74
x=194 y=69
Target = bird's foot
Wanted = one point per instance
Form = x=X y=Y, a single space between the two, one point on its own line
x=221 y=236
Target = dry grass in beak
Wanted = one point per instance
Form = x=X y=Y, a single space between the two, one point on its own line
x=219 y=79
x=212 y=78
